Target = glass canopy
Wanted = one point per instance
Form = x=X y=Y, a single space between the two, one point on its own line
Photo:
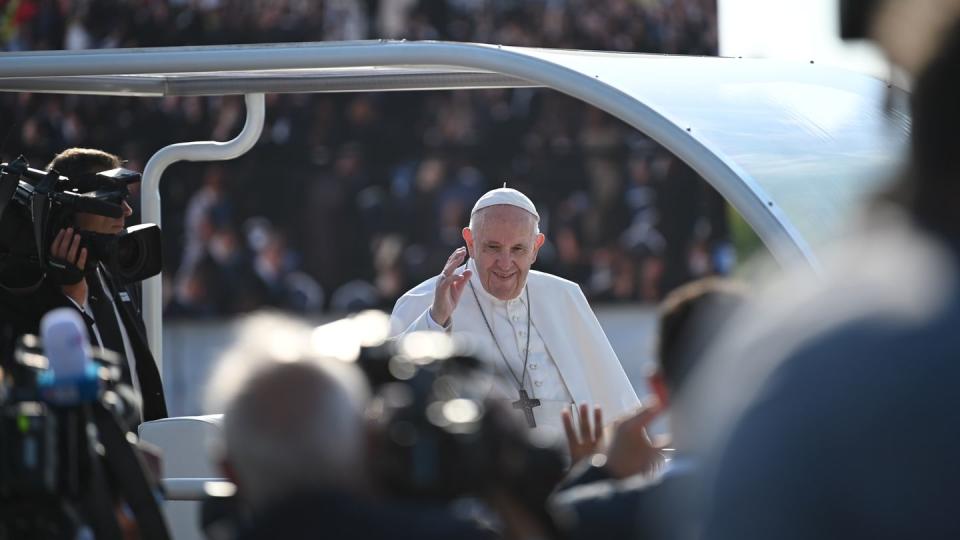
x=816 y=140
x=793 y=147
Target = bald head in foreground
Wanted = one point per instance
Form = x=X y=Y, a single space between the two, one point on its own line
x=545 y=341
x=296 y=427
x=297 y=446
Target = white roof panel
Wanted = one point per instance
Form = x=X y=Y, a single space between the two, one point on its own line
x=793 y=146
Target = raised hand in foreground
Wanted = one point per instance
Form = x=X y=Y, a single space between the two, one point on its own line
x=631 y=450
x=588 y=439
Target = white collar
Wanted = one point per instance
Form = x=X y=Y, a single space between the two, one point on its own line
x=482 y=291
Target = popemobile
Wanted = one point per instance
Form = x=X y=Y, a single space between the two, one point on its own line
x=793 y=147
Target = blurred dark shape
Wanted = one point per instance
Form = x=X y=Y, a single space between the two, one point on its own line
x=832 y=398
x=856 y=18
x=69 y=463
x=441 y=440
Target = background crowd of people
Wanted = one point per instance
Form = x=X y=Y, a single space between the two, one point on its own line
x=349 y=199
x=811 y=405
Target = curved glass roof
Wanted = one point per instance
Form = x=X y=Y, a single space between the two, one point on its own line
x=792 y=146
x=815 y=139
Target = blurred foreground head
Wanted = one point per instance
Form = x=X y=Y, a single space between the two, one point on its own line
x=935 y=139
x=690 y=318
x=910 y=32
x=829 y=400
x=293 y=420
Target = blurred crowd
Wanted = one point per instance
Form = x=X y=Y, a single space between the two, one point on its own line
x=349 y=200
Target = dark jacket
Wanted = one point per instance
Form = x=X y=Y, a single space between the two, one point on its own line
x=594 y=505
x=849 y=428
x=22 y=314
x=330 y=515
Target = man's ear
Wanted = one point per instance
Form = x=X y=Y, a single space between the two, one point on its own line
x=537 y=244
x=539 y=241
x=468 y=238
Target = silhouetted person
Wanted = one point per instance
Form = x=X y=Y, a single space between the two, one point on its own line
x=618 y=494
x=842 y=390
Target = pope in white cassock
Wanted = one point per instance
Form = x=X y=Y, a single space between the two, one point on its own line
x=545 y=339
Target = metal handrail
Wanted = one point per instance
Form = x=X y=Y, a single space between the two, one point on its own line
x=150 y=201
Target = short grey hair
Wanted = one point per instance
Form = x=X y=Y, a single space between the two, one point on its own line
x=476 y=218
x=292 y=421
x=294 y=427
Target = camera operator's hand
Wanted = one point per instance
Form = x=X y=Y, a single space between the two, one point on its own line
x=587 y=442
x=449 y=288
x=67 y=262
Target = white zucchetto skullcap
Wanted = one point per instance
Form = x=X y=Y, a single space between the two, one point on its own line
x=507 y=196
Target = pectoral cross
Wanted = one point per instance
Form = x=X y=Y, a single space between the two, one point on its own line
x=527 y=405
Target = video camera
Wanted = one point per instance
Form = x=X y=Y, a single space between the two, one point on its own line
x=45 y=202
x=441 y=438
x=68 y=466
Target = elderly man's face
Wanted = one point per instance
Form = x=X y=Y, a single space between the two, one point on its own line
x=503 y=246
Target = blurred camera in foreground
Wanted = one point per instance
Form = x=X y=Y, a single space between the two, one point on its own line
x=69 y=467
x=439 y=436
x=292 y=416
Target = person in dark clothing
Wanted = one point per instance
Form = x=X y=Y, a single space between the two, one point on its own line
x=80 y=279
x=843 y=423
x=617 y=495
x=336 y=515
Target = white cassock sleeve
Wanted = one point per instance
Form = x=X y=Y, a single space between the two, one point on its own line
x=411 y=313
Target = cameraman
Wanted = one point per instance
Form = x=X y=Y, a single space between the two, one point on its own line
x=78 y=277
